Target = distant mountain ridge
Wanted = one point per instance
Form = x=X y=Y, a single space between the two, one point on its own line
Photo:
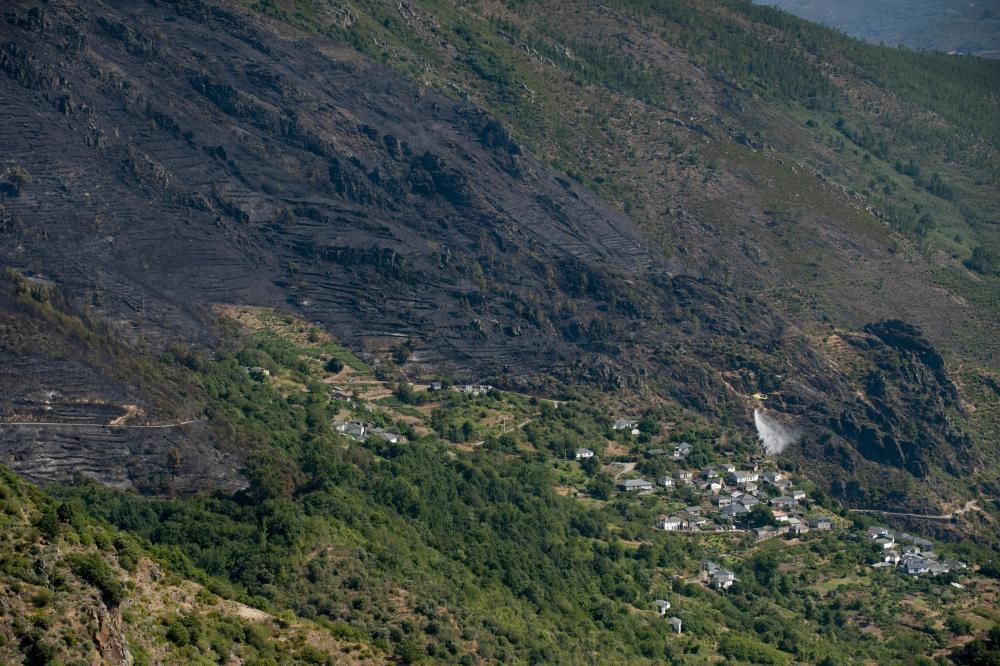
x=950 y=26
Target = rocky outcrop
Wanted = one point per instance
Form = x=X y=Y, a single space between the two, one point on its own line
x=109 y=637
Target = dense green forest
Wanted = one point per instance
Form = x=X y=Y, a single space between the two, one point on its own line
x=430 y=551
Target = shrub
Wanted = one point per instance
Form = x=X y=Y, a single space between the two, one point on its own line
x=95 y=570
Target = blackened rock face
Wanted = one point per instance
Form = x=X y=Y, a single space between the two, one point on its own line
x=183 y=154
x=225 y=164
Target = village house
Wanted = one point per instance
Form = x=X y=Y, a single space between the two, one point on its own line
x=712 y=487
x=671 y=523
x=784 y=502
x=750 y=487
x=684 y=476
x=782 y=486
x=635 y=485
x=876 y=532
x=665 y=481
x=742 y=477
x=697 y=521
x=722 y=501
x=711 y=473
x=914 y=565
x=773 y=477
x=748 y=501
x=676 y=623
x=626 y=425
x=718 y=577
x=733 y=511
x=820 y=523
x=350 y=428
x=681 y=450
x=796 y=526
x=339 y=393
x=662 y=606
x=797 y=495
x=780 y=516
x=728 y=468
x=391 y=437
x=584 y=454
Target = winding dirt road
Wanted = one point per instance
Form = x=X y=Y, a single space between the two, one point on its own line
x=971 y=505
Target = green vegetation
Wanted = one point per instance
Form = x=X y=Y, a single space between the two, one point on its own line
x=496 y=564
x=481 y=538
x=95 y=570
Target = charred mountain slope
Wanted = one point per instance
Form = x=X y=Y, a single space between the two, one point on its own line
x=78 y=402
x=166 y=156
x=224 y=164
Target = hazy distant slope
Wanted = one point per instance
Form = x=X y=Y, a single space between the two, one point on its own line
x=941 y=25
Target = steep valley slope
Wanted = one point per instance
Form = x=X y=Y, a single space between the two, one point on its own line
x=165 y=157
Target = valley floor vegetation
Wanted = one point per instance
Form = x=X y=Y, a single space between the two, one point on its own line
x=468 y=525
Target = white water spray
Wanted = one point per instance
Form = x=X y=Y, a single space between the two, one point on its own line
x=774 y=435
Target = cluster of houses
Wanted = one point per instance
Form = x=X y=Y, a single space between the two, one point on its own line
x=732 y=494
x=361 y=432
x=913 y=555
x=679 y=452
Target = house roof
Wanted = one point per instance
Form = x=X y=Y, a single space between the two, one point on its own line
x=733 y=510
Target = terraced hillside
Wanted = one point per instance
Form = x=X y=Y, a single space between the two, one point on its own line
x=674 y=216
